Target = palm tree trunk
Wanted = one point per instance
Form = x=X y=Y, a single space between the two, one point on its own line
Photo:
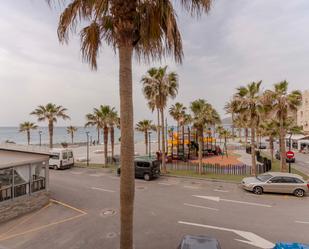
x=50 y=131
x=163 y=141
x=183 y=140
x=158 y=130
x=98 y=129
x=283 y=166
x=146 y=142
x=246 y=137
x=239 y=134
x=112 y=130
x=233 y=126
x=28 y=137
x=177 y=140
x=253 y=161
x=127 y=185
x=72 y=137
x=200 y=150
x=105 y=131
x=271 y=147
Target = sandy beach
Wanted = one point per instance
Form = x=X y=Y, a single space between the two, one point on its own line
x=96 y=152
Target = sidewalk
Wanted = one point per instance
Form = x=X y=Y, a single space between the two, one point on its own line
x=244 y=157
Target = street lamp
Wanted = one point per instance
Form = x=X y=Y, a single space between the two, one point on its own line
x=87 y=134
x=149 y=142
x=40 y=135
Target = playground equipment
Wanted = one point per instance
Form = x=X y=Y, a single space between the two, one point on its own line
x=183 y=144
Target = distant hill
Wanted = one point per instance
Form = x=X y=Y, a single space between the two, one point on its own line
x=227 y=120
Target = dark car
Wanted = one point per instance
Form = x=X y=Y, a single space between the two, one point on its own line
x=277 y=155
x=199 y=242
x=262 y=146
x=146 y=168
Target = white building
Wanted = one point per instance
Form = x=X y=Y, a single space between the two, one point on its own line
x=303 y=112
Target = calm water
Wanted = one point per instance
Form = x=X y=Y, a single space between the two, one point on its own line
x=60 y=135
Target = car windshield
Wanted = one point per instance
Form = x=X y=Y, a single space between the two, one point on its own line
x=264 y=178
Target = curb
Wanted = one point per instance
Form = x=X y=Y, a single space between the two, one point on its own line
x=202 y=179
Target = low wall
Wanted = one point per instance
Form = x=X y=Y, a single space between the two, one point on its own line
x=21 y=205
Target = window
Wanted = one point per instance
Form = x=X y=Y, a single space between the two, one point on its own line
x=65 y=155
x=289 y=179
x=298 y=180
x=70 y=153
x=55 y=156
x=277 y=179
x=142 y=164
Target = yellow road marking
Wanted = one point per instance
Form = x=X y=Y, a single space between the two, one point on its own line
x=42 y=227
x=82 y=213
x=23 y=221
x=68 y=206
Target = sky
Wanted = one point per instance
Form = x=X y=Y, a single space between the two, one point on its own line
x=238 y=42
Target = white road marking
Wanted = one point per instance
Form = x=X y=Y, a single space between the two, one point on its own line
x=302 y=222
x=165 y=184
x=115 y=177
x=102 y=189
x=217 y=199
x=190 y=187
x=97 y=175
x=220 y=190
x=251 y=238
x=197 y=206
x=76 y=173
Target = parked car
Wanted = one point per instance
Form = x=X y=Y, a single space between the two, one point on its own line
x=61 y=158
x=277 y=156
x=262 y=146
x=276 y=182
x=199 y=242
x=146 y=168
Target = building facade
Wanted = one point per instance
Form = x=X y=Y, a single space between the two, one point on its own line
x=303 y=112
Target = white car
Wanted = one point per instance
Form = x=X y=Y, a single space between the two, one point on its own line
x=61 y=158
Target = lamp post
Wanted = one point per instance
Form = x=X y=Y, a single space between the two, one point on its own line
x=290 y=150
x=149 y=143
x=87 y=134
x=40 y=136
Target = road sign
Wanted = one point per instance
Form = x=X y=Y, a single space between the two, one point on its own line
x=290 y=154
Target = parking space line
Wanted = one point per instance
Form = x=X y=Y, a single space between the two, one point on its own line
x=302 y=222
x=81 y=213
x=102 y=189
x=220 y=190
x=26 y=219
x=198 y=206
x=190 y=187
x=165 y=184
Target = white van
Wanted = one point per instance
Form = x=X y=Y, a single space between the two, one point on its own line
x=61 y=158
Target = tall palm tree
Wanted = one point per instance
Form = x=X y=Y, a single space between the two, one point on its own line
x=203 y=114
x=159 y=86
x=248 y=99
x=94 y=119
x=231 y=107
x=50 y=113
x=145 y=126
x=113 y=120
x=270 y=129
x=71 y=130
x=282 y=104
x=150 y=29
x=178 y=111
x=27 y=127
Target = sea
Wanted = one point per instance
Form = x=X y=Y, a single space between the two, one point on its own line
x=12 y=134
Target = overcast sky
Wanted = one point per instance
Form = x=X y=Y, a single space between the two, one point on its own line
x=238 y=42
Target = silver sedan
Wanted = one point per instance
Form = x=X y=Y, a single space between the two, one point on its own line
x=276 y=182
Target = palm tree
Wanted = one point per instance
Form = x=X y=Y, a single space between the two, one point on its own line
x=282 y=104
x=50 y=113
x=94 y=119
x=203 y=114
x=270 y=129
x=150 y=29
x=152 y=107
x=231 y=107
x=27 y=127
x=145 y=126
x=249 y=101
x=178 y=111
x=113 y=120
x=71 y=130
x=159 y=86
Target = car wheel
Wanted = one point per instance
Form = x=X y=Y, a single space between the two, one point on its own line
x=299 y=192
x=258 y=190
x=55 y=167
x=146 y=177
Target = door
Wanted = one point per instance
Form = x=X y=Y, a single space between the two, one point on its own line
x=275 y=185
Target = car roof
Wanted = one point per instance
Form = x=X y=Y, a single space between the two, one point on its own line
x=145 y=159
x=199 y=242
x=284 y=174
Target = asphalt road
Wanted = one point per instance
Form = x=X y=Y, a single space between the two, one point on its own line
x=86 y=214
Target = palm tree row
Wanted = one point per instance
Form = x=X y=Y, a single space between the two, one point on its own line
x=265 y=113
x=106 y=118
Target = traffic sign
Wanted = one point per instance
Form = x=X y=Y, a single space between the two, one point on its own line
x=290 y=154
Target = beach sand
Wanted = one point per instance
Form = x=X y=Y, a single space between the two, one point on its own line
x=95 y=157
